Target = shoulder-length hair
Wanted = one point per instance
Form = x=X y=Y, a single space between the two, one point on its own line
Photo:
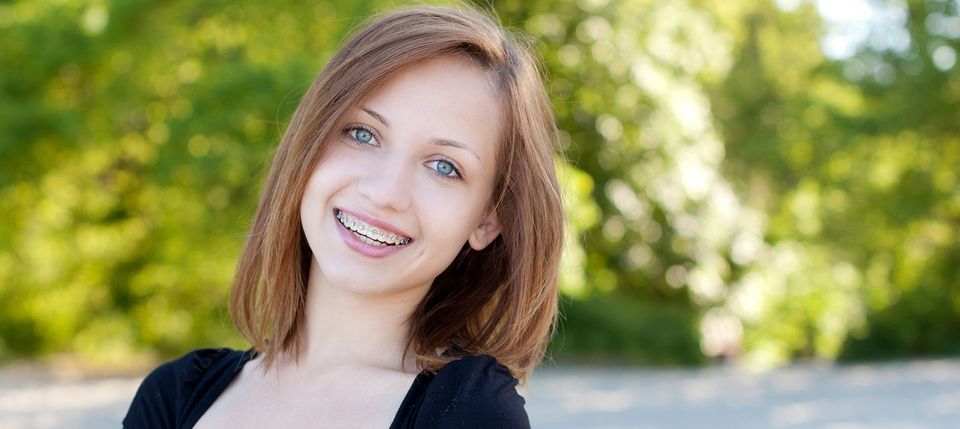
x=500 y=301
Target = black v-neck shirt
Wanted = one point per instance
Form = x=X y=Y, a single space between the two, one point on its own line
x=472 y=392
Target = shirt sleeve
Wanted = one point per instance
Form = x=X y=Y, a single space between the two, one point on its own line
x=473 y=392
x=162 y=396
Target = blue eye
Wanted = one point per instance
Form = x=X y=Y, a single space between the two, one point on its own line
x=361 y=134
x=444 y=168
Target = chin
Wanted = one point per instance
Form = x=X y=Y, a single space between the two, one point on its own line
x=362 y=280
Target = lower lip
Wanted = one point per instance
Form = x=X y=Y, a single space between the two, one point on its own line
x=363 y=248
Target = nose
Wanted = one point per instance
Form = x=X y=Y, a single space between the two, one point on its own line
x=387 y=186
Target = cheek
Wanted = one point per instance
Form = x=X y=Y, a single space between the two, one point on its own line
x=311 y=208
x=335 y=159
x=321 y=184
x=450 y=213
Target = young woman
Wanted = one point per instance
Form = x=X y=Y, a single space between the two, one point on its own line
x=401 y=267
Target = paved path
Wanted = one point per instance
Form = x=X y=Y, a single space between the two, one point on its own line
x=920 y=394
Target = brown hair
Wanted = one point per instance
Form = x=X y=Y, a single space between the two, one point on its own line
x=500 y=301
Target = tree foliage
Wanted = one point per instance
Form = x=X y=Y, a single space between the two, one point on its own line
x=731 y=190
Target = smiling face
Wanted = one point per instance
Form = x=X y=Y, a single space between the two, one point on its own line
x=407 y=180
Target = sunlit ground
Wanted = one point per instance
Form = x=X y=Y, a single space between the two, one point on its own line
x=921 y=394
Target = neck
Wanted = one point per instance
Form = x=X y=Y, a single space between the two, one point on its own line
x=346 y=327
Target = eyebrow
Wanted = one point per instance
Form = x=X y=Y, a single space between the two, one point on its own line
x=456 y=144
x=439 y=142
x=376 y=115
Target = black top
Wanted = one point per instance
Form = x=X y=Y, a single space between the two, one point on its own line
x=472 y=392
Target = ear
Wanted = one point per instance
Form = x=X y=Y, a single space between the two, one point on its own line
x=486 y=232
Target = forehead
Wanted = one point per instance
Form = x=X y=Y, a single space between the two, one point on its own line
x=449 y=97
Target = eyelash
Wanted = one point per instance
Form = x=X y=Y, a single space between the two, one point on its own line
x=456 y=171
x=350 y=131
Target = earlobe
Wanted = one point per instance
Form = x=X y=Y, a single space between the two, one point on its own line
x=485 y=233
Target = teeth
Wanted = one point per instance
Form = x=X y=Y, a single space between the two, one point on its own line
x=369 y=234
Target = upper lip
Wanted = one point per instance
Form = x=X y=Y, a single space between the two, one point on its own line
x=381 y=224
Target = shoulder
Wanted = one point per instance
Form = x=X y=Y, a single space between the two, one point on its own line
x=476 y=392
x=165 y=394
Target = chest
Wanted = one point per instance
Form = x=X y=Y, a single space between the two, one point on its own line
x=363 y=401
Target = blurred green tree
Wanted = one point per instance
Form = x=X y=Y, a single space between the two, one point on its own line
x=731 y=190
x=854 y=161
x=135 y=137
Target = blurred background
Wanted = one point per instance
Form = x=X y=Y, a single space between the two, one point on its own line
x=749 y=182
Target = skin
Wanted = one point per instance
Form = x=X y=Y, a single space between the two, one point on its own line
x=387 y=165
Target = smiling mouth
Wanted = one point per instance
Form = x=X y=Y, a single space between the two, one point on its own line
x=371 y=235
